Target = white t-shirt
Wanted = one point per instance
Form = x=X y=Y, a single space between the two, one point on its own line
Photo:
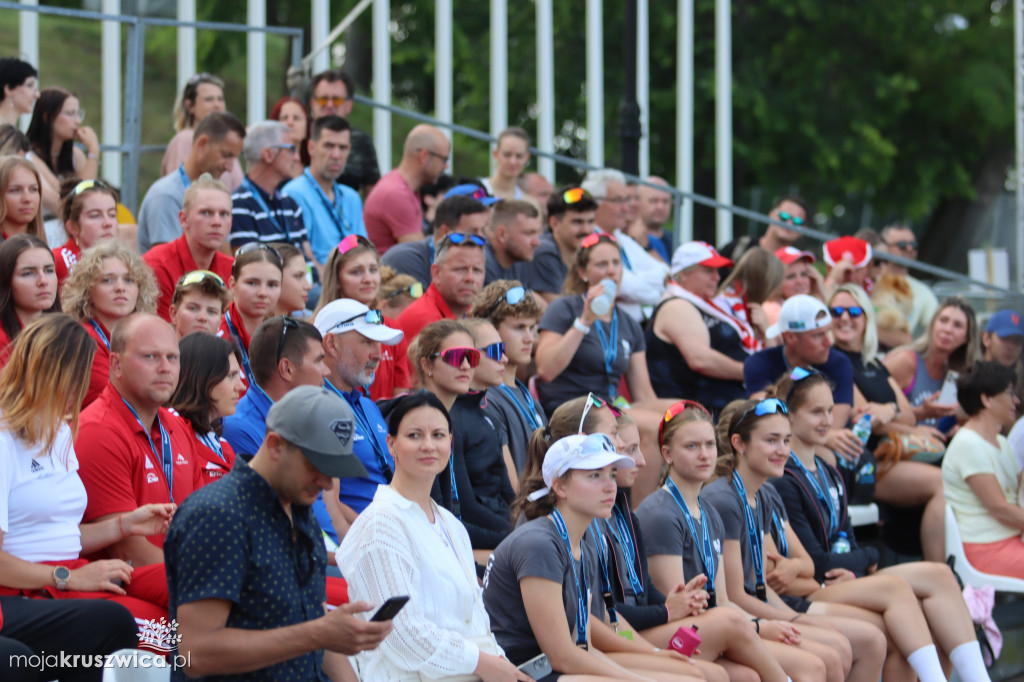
x=969 y=454
x=42 y=499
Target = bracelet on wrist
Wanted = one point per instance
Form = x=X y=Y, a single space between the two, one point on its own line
x=92 y=156
x=578 y=325
x=120 y=526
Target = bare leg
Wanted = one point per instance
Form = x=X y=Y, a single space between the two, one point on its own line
x=867 y=644
x=800 y=665
x=663 y=668
x=831 y=647
x=896 y=668
x=739 y=673
x=943 y=605
x=913 y=484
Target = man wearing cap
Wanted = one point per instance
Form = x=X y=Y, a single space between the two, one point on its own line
x=284 y=353
x=900 y=241
x=570 y=219
x=245 y=560
x=804 y=324
x=353 y=335
x=455 y=213
x=457 y=275
x=393 y=212
x=331 y=210
x=1002 y=342
x=695 y=349
x=792 y=210
x=643 y=275
x=848 y=260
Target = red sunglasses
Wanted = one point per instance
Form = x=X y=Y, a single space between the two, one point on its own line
x=456 y=356
x=675 y=410
x=594 y=238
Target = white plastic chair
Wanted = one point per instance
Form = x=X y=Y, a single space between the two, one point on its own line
x=970 y=575
x=139 y=666
x=863 y=514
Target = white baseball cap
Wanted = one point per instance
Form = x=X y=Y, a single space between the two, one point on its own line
x=595 y=451
x=800 y=313
x=345 y=315
x=697 y=253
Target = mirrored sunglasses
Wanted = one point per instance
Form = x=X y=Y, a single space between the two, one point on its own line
x=855 y=311
x=456 y=356
x=494 y=351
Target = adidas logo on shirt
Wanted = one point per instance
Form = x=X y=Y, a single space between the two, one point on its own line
x=36 y=467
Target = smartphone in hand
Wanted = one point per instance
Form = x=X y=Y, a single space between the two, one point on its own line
x=389 y=609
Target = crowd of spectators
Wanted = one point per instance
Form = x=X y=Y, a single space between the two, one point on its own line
x=562 y=436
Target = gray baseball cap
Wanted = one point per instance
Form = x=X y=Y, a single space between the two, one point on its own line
x=320 y=424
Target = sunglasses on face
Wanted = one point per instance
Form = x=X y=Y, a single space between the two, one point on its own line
x=456 y=356
x=904 y=245
x=286 y=324
x=855 y=311
x=763 y=408
x=260 y=246
x=595 y=401
x=675 y=410
x=494 y=351
x=790 y=218
x=330 y=101
x=197 y=276
x=414 y=291
x=460 y=238
x=594 y=238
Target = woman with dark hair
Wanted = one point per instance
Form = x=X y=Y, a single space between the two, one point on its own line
x=19 y=89
x=89 y=214
x=202 y=95
x=405 y=544
x=209 y=387
x=295 y=283
x=293 y=113
x=28 y=286
x=56 y=126
x=950 y=345
x=979 y=472
x=20 y=188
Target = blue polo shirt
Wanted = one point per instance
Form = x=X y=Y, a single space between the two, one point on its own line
x=327 y=223
x=371 y=447
x=244 y=430
x=234 y=541
x=765 y=367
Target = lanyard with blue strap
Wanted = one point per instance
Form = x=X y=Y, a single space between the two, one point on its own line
x=99 y=332
x=529 y=410
x=779 y=533
x=821 y=492
x=336 y=215
x=258 y=196
x=184 y=176
x=578 y=575
x=623 y=534
x=165 y=443
x=211 y=441
x=754 y=537
x=703 y=541
x=610 y=348
x=368 y=433
x=606 y=582
x=249 y=376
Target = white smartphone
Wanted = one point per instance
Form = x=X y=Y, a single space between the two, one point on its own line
x=947 y=395
x=537 y=667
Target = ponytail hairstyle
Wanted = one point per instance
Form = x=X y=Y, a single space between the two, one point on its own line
x=742 y=420
x=794 y=392
x=690 y=413
x=564 y=421
x=574 y=283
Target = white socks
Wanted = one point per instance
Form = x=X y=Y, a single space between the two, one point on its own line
x=925 y=662
x=969 y=663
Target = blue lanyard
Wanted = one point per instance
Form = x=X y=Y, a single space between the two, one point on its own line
x=611 y=350
x=753 y=535
x=623 y=534
x=211 y=441
x=528 y=411
x=780 y=533
x=336 y=215
x=258 y=196
x=165 y=443
x=99 y=332
x=606 y=582
x=184 y=177
x=456 y=505
x=430 y=243
x=703 y=541
x=822 y=494
x=246 y=368
x=368 y=433
x=582 y=612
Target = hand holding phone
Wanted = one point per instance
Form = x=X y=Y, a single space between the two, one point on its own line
x=389 y=609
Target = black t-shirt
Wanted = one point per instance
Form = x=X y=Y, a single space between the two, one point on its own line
x=871 y=379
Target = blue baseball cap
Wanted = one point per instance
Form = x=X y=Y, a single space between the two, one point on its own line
x=1005 y=323
x=474 y=191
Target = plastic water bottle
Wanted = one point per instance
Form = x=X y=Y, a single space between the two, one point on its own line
x=841 y=545
x=602 y=305
x=862 y=429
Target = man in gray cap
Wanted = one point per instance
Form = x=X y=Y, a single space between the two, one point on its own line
x=245 y=557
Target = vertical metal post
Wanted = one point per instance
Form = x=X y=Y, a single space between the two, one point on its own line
x=684 y=119
x=499 y=68
x=546 y=88
x=256 y=63
x=629 y=112
x=320 y=25
x=1018 y=82
x=643 y=83
x=133 y=82
x=382 y=81
x=186 y=43
x=723 y=118
x=595 y=83
x=443 y=68
x=28 y=44
x=111 y=68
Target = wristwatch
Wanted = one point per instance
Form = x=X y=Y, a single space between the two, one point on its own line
x=61 y=576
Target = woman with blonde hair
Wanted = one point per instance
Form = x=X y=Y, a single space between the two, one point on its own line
x=89 y=214
x=108 y=284
x=20 y=204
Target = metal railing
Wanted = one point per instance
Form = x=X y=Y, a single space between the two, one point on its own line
x=131 y=147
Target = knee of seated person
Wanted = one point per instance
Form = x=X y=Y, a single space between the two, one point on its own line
x=743 y=674
x=893 y=586
x=730 y=619
x=813 y=669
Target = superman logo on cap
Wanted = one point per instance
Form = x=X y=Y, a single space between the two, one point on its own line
x=343 y=431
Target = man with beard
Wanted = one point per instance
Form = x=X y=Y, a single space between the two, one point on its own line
x=332 y=211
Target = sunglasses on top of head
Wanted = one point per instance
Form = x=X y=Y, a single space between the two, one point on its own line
x=762 y=409
x=461 y=238
x=595 y=401
x=674 y=411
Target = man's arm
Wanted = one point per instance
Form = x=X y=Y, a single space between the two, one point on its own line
x=212 y=648
x=136 y=550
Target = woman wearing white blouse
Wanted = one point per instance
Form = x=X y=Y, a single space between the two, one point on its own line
x=404 y=544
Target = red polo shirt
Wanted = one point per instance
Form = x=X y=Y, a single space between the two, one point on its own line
x=213 y=467
x=430 y=307
x=65 y=258
x=172 y=260
x=393 y=369
x=117 y=464
x=99 y=377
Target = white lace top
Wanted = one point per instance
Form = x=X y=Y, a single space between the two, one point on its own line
x=391 y=550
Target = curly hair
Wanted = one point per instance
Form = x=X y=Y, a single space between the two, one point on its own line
x=491 y=305
x=76 y=296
